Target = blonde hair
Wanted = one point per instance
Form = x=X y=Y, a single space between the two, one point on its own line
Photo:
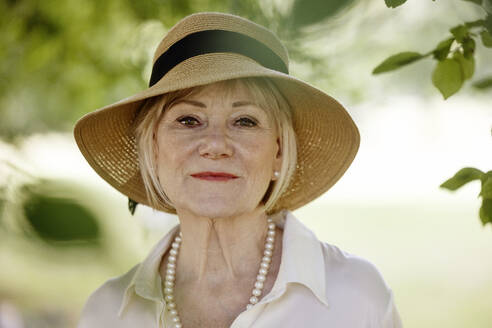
x=266 y=96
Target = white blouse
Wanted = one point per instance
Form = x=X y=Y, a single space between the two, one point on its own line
x=318 y=285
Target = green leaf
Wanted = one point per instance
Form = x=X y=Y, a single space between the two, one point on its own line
x=309 y=12
x=487 y=175
x=394 y=3
x=476 y=23
x=486 y=191
x=447 y=77
x=442 y=49
x=59 y=219
x=468 y=47
x=467 y=64
x=488 y=23
x=487 y=5
x=459 y=32
x=484 y=83
x=132 y=205
x=478 y=2
x=462 y=177
x=486 y=38
x=486 y=211
x=396 y=61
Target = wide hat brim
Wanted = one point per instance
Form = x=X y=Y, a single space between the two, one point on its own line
x=327 y=138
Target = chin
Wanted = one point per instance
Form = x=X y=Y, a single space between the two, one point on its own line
x=217 y=210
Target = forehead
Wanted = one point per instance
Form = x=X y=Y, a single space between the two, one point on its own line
x=227 y=90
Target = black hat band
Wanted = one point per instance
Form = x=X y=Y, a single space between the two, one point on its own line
x=205 y=42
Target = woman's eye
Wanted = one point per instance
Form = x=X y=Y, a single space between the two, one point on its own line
x=247 y=122
x=188 y=121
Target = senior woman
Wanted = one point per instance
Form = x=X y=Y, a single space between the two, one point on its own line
x=226 y=139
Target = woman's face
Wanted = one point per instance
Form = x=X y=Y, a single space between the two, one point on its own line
x=216 y=130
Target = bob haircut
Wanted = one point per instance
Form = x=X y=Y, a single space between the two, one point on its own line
x=266 y=96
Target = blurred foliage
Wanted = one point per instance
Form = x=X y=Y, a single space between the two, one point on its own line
x=2 y=202
x=55 y=225
x=469 y=174
x=394 y=3
x=455 y=64
x=56 y=219
x=48 y=210
x=305 y=13
x=62 y=59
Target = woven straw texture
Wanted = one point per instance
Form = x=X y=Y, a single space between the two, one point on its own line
x=327 y=138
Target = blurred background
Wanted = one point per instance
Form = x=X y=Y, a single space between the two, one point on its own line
x=64 y=231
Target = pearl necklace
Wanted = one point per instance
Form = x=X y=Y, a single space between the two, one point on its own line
x=260 y=278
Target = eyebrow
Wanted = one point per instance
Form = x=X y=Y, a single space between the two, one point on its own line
x=242 y=103
x=202 y=105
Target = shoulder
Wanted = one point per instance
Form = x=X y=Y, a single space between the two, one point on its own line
x=359 y=278
x=102 y=306
x=354 y=284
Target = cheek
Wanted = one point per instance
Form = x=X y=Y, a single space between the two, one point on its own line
x=171 y=147
x=260 y=154
x=171 y=152
x=165 y=153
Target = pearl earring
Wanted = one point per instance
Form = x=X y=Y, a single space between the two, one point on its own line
x=276 y=174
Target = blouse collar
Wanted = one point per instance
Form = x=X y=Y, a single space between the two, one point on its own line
x=302 y=262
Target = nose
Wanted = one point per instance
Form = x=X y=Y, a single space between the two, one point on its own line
x=215 y=144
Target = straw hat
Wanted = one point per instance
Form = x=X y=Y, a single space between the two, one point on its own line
x=208 y=47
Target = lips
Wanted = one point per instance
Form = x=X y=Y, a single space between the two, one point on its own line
x=214 y=176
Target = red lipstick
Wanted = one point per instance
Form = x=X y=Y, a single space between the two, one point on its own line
x=214 y=176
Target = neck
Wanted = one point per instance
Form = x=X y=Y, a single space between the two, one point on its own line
x=215 y=250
